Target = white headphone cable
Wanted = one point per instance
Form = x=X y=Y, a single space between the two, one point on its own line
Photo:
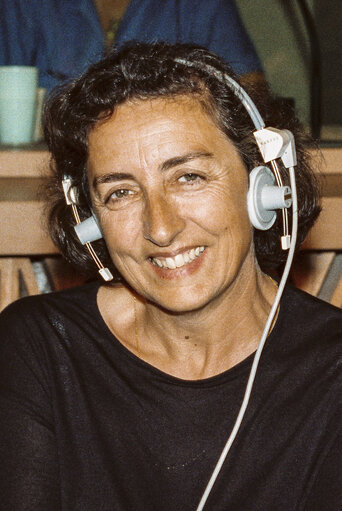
x=262 y=341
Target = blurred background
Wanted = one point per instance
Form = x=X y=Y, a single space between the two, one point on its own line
x=301 y=53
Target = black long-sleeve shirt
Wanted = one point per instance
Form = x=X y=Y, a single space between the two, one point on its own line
x=86 y=425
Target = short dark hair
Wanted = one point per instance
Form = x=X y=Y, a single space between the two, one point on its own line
x=145 y=71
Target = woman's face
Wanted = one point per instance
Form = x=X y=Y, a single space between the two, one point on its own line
x=169 y=190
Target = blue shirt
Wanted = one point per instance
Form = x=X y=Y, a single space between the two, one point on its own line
x=63 y=37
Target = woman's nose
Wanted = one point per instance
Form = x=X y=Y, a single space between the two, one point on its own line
x=162 y=221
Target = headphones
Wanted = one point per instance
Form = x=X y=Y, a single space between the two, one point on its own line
x=266 y=193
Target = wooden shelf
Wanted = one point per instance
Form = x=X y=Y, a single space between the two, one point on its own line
x=22 y=171
x=19 y=163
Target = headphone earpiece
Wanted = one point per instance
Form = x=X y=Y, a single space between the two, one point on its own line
x=264 y=198
x=88 y=230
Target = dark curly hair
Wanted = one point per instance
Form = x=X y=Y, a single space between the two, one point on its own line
x=145 y=71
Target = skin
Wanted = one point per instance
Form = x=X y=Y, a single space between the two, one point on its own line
x=164 y=180
x=109 y=10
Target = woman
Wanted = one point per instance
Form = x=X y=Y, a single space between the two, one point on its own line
x=121 y=396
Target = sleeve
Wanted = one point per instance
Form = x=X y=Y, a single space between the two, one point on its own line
x=29 y=476
x=218 y=26
x=60 y=37
x=326 y=491
x=17 y=33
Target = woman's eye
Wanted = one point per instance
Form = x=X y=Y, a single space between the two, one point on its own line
x=119 y=194
x=190 y=178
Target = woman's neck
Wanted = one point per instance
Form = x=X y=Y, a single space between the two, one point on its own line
x=109 y=10
x=202 y=343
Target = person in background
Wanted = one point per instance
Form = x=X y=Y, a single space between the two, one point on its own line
x=62 y=37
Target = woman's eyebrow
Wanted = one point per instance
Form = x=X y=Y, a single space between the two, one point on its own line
x=179 y=160
x=111 y=177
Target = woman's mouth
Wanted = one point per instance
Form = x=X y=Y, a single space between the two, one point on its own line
x=179 y=260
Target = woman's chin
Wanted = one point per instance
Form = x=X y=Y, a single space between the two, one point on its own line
x=183 y=301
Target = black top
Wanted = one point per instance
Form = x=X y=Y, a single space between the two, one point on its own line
x=86 y=425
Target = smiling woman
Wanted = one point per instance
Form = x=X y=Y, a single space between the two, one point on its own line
x=185 y=194
x=120 y=395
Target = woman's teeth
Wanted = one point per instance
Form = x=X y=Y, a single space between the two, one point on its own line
x=171 y=263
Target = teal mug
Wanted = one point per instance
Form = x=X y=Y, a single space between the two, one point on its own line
x=18 y=94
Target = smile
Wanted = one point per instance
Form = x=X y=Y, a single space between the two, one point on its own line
x=171 y=263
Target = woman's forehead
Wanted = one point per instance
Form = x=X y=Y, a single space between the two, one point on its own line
x=156 y=126
x=181 y=109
